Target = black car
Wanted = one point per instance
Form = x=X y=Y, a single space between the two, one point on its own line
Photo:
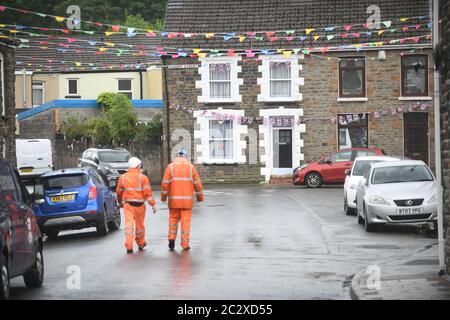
x=20 y=238
x=110 y=163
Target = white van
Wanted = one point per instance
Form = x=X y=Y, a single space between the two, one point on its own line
x=34 y=157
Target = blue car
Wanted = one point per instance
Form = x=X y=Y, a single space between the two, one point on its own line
x=72 y=199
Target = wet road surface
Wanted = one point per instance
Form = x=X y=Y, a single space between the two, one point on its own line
x=254 y=242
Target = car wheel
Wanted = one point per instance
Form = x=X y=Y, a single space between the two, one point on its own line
x=35 y=277
x=52 y=234
x=114 y=224
x=4 y=278
x=313 y=180
x=360 y=219
x=102 y=224
x=370 y=227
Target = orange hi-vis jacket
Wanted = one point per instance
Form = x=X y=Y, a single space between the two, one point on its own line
x=133 y=186
x=181 y=183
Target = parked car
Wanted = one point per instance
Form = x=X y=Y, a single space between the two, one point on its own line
x=111 y=163
x=21 y=243
x=402 y=191
x=34 y=157
x=359 y=168
x=331 y=168
x=73 y=199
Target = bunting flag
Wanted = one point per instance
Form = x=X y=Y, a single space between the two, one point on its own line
x=333 y=119
x=249 y=34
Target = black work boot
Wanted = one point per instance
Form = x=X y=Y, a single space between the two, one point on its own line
x=171 y=244
x=129 y=251
x=143 y=246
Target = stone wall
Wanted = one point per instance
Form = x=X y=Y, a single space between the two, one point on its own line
x=7 y=122
x=320 y=101
x=444 y=68
x=66 y=154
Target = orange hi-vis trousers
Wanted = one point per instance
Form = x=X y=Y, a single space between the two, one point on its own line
x=185 y=216
x=134 y=225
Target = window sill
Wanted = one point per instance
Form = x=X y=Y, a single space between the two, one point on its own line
x=219 y=163
x=73 y=97
x=275 y=100
x=352 y=99
x=220 y=102
x=415 y=98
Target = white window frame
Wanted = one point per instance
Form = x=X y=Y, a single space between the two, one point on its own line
x=221 y=139
x=280 y=80
x=202 y=138
x=40 y=86
x=68 y=87
x=265 y=80
x=125 y=91
x=204 y=83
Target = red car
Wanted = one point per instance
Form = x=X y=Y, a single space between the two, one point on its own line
x=331 y=168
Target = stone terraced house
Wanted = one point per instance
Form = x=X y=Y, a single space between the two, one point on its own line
x=258 y=88
x=7 y=123
x=444 y=67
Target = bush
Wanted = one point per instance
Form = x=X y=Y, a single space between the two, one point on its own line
x=74 y=129
x=150 y=131
x=101 y=128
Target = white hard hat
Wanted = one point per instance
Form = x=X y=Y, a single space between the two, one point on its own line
x=134 y=162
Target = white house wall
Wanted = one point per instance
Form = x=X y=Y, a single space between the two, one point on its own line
x=91 y=85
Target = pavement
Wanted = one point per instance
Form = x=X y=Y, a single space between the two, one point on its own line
x=415 y=278
x=248 y=242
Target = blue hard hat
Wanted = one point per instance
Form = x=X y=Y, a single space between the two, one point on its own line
x=182 y=153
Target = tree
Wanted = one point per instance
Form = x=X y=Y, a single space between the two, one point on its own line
x=105 y=11
x=123 y=120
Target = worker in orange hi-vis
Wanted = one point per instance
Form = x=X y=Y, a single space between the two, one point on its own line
x=133 y=190
x=181 y=184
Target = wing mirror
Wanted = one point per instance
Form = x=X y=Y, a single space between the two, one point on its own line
x=328 y=161
x=38 y=194
x=347 y=172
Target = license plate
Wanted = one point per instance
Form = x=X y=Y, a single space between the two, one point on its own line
x=26 y=170
x=410 y=210
x=63 y=198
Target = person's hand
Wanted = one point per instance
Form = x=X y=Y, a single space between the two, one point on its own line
x=154 y=209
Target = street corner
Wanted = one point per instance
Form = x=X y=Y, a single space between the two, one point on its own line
x=383 y=283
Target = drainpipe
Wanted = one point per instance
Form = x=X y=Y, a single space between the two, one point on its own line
x=166 y=91
x=140 y=80
x=24 y=87
x=437 y=147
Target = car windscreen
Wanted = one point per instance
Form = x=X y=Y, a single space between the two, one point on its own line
x=362 y=166
x=64 y=181
x=114 y=156
x=412 y=173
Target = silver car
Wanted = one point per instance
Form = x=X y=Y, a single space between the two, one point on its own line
x=397 y=192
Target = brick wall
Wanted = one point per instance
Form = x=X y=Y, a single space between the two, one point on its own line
x=320 y=94
x=444 y=69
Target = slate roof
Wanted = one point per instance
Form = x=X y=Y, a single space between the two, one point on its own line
x=200 y=16
x=62 y=61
